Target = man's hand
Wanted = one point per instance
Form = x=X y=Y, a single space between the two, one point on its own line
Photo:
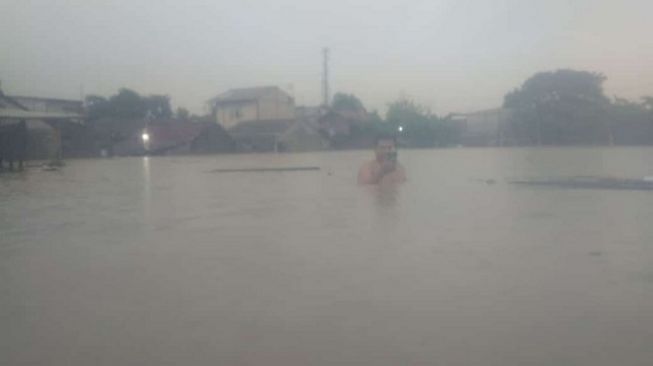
x=381 y=169
x=375 y=172
x=388 y=166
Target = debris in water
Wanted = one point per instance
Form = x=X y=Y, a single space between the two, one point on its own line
x=258 y=170
x=591 y=183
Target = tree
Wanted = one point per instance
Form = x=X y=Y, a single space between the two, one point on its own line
x=404 y=111
x=631 y=122
x=183 y=114
x=97 y=107
x=418 y=126
x=127 y=104
x=158 y=106
x=342 y=101
x=414 y=120
x=560 y=107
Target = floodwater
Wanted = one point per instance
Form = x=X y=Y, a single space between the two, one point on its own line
x=159 y=261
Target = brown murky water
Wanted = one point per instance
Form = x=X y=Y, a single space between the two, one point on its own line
x=160 y=262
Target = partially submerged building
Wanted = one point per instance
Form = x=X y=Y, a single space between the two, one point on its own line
x=43 y=118
x=289 y=135
x=129 y=137
x=264 y=119
x=53 y=105
x=344 y=128
x=267 y=103
x=485 y=128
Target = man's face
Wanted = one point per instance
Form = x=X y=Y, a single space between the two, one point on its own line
x=383 y=148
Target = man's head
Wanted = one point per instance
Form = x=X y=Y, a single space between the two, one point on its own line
x=385 y=147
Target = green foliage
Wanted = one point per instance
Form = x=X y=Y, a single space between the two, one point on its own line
x=560 y=107
x=97 y=107
x=375 y=117
x=182 y=114
x=631 y=122
x=127 y=104
x=343 y=101
x=448 y=132
x=419 y=127
x=158 y=106
x=404 y=111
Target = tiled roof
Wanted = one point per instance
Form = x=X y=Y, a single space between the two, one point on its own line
x=245 y=94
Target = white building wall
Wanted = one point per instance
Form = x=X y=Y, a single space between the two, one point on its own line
x=274 y=106
x=229 y=115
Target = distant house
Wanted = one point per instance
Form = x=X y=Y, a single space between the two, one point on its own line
x=299 y=134
x=47 y=121
x=163 y=137
x=54 y=105
x=75 y=140
x=485 y=128
x=268 y=103
x=260 y=136
x=342 y=127
x=305 y=134
x=310 y=115
x=8 y=103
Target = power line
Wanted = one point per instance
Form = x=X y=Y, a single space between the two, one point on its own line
x=325 y=77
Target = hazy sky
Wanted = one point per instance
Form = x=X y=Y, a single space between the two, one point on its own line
x=452 y=55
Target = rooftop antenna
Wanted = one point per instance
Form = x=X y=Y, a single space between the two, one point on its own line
x=325 y=77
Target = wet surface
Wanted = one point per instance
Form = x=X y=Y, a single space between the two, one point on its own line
x=159 y=262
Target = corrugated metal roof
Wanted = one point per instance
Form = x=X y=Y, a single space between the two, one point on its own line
x=8 y=102
x=12 y=109
x=21 y=114
x=44 y=99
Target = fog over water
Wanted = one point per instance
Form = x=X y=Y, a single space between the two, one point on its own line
x=450 y=55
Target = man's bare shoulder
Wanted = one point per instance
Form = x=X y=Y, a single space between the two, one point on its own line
x=369 y=165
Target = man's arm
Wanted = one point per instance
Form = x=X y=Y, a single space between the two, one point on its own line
x=365 y=174
x=373 y=173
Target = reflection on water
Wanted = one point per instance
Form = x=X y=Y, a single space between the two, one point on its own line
x=147 y=186
x=157 y=261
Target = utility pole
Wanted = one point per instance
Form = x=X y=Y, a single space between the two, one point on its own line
x=325 y=78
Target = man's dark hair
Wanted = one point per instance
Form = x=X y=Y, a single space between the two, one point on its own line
x=385 y=136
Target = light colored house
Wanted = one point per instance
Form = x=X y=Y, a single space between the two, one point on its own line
x=53 y=105
x=45 y=118
x=485 y=128
x=343 y=127
x=268 y=103
x=287 y=135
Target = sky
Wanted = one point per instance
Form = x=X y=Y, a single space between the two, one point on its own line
x=453 y=56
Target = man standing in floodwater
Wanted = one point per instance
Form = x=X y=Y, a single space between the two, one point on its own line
x=385 y=168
